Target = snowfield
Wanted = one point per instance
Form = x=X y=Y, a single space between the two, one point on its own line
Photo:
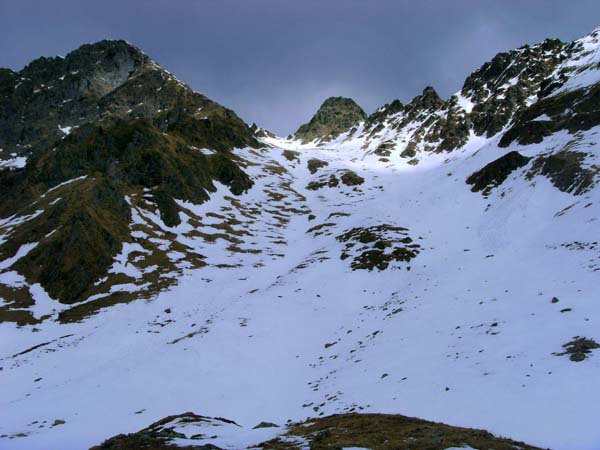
x=465 y=337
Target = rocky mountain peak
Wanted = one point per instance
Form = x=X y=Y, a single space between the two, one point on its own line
x=340 y=102
x=101 y=126
x=428 y=100
x=103 y=81
x=335 y=116
x=91 y=70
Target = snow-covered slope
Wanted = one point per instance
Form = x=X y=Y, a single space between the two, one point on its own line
x=381 y=282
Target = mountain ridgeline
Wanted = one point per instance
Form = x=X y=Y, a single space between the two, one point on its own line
x=523 y=96
x=489 y=99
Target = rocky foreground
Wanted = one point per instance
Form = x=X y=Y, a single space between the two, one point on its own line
x=342 y=431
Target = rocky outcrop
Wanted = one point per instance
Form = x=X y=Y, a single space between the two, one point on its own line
x=374 y=431
x=502 y=87
x=335 y=116
x=496 y=172
x=573 y=111
x=378 y=247
x=159 y=435
x=566 y=171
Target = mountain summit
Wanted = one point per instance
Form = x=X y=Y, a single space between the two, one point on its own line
x=335 y=116
x=99 y=128
x=100 y=82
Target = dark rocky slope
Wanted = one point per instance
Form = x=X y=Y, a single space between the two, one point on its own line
x=134 y=128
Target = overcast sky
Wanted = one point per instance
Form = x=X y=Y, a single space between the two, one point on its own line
x=275 y=61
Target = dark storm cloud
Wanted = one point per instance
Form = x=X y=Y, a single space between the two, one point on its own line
x=274 y=61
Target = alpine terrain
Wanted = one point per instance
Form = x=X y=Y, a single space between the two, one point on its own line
x=171 y=277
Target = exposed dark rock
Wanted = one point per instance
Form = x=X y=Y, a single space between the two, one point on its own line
x=261 y=132
x=498 y=92
x=139 y=441
x=496 y=172
x=347 y=177
x=440 y=125
x=99 y=82
x=429 y=100
x=266 y=425
x=452 y=131
x=410 y=151
x=158 y=435
x=573 y=111
x=331 y=181
x=384 y=149
x=501 y=87
x=559 y=78
x=579 y=348
x=291 y=155
x=565 y=171
x=315 y=164
x=335 y=116
x=377 y=247
x=350 y=178
x=384 y=112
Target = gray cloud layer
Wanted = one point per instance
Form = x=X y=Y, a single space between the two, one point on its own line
x=275 y=61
